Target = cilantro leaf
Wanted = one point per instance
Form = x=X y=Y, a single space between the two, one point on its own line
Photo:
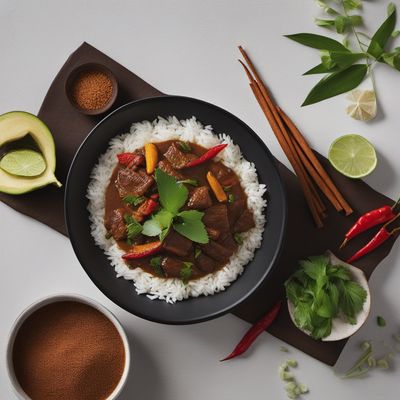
x=158 y=223
x=189 y=224
x=315 y=267
x=185 y=146
x=323 y=329
x=155 y=262
x=352 y=298
x=173 y=195
x=238 y=238
x=186 y=271
x=133 y=227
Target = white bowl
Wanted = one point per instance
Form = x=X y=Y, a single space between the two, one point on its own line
x=54 y=299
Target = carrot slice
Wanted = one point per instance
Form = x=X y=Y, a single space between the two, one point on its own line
x=216 y=187
x=151 y=155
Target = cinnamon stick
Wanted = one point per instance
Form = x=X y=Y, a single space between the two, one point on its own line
x=285 y=147
x=313 y=159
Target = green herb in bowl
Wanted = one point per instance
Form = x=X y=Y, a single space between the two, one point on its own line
x=321 y=292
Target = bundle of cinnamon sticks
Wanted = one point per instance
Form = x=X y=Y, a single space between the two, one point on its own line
x=311 y=174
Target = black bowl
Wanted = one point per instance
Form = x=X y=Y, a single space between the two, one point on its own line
x=94 y=261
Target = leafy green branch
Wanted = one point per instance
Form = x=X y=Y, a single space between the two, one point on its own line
x=339 y=62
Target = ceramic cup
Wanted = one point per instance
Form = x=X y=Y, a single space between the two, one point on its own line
x=54 y=299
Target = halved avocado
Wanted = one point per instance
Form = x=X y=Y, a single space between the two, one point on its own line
x=14 y=126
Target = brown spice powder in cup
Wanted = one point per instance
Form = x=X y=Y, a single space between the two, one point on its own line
x=68 y=351
x=92 y=90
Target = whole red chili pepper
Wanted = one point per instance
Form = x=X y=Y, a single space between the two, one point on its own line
x=143 y=250
x=252 y=334
x=208 y=155
x=369 y=220
x=381 y=237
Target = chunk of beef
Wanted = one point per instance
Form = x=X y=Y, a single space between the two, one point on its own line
x=171 y=267
x=216 y=251
x=212 y=233
x=200 y=198
x=228 y=242
x=115 y=224
x=244 y=222
x=235 y=209
x=177 y=244
x=167 y=167
x=177 y=158
x=216 y=217
x=205 y=263
x=133 y=182
x=225 y=175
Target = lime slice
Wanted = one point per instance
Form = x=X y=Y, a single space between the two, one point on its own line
x=26 y=163
x=363 y=104
x=353 y=156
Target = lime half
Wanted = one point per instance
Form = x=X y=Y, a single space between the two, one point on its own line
x=353 y=156
x=27 y=163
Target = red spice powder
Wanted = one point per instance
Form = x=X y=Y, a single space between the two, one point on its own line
x=68 y=351
x=92 y=90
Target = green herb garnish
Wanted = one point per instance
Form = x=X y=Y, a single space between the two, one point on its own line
x=238 y=238
x=133 y=227
x=173 y=196
x=155 y=262
x=192 y=182
x=186 y=271
x=344 y=67
x=319 y=291
x=197 y=252
x=185 y=147
x=231 y=198
x=108 y=235
x=227 y=188
x=380 y=321
x=134 y=200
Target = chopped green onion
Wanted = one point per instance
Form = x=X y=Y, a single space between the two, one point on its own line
x=227 y=188
x=380 y=321
x=134 y=200
x=382 y=363
x=185 y=147
x=284 y=349
x=231 y=198
x=186 y=271
x=192 y=182
x=108 y=235
x=292 y=363
x=197 y=252
x=371 y=361
x=238 y=238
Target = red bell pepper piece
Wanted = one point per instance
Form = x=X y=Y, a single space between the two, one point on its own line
x=143 y=250
x=147 y=207
x=208 y=155
x=130 y=158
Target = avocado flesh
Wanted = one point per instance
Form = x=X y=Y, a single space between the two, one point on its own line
x=14 y=126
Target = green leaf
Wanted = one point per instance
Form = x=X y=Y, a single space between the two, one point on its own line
x=391 y=8
x=173 y=195
x=155 y=262
x=350 y=5
x=392 y=59
x=133 y=200
x=151 y=228
x=231 y=198
x=351 y=299
x=338 y=272
x=164 y=218
x=344 y=59
x=380 y=321
x=197 y=252
x=325 y=306
x=323 y=329
x=321 y=69
x=238 y=238
x=395 y=34
x=315 y=267
x=382 y=35
x=133 y=227
x=337 y=83
x=302 y=315
x=189 y=224
x=317 y=41
x=186 y=271
x=342 y=23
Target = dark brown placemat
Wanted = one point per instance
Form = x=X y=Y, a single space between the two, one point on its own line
x=70 y=128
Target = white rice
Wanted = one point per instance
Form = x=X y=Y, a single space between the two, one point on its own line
x=172 y=290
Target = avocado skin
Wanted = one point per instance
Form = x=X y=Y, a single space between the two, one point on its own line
x=15 y=125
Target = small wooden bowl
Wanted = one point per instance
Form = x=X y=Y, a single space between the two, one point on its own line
x=69 y=84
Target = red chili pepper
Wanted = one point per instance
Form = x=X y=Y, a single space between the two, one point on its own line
x=381 y=237
x=147 y=207
x=155 y=196
x=130 y=158
x=369 y=220
x=143 y=250
x=208 y=155
x=252 y=334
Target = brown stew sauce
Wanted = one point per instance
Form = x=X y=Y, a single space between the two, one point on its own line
x=212 y=256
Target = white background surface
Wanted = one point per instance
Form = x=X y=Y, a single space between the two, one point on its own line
x=189 y=48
